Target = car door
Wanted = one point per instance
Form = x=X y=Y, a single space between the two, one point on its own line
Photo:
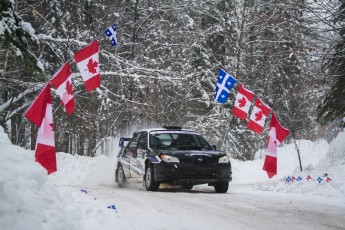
x=129 y=153
x=137 y=162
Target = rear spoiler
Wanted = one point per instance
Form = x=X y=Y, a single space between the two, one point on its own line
x=122 y=141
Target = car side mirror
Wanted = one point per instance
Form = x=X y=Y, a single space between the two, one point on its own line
x=122 y=141
x=214 y=147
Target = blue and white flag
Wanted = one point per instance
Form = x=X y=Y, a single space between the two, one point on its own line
x=319 y=179
x=111 y=34
x=225 y=83
x=112 y=207
x=288 y=179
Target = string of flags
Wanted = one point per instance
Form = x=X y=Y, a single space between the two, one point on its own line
x=256 y=122
x=40 y=111
x=320 y=179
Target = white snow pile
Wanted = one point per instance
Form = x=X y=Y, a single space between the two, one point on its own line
x=323 y=169
x=27 y=199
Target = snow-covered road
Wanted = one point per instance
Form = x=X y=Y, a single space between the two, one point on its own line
x=202 y=208
x=78 y=195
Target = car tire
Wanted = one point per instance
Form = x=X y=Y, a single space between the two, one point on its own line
x=149 y=182
x=120 y=176
x=221 y=186
x=187 y=186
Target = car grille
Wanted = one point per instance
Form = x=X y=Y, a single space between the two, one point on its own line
x=199 y=160
x=199 y=167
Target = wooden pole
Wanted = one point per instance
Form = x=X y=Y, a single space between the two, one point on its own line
x=299 y=156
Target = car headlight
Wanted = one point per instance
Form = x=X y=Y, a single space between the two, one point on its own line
x=169 y=159
x=224 y=159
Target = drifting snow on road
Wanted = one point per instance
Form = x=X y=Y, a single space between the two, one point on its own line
x=201 y=208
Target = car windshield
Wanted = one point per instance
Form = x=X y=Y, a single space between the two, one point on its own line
x=178 y=140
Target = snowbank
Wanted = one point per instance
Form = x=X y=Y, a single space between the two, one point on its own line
x=323 y=170
x=28 y=200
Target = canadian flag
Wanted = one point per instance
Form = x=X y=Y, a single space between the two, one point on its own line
x=258 y=116
x=87 y=60
x=276 y=135
x=243 y=102
x=62 y=82
x=41 y=114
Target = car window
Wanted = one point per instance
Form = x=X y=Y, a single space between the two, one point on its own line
x=203 y=143
x=179 y=141
x=142 y=143
x=134 y=142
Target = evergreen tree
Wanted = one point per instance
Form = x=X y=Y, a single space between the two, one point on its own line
x=333 y=107
x=19 y=69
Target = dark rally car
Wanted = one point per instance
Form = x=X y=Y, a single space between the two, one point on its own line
x=172 y=155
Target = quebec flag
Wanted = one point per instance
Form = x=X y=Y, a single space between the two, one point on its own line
x=111 y=34
x=225 y=83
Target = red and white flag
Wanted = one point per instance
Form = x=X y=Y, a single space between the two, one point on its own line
x=258 y=116
x=62 y=83
x=243 y=102
x=87 y=60
x=41 y=114
x=276 y=135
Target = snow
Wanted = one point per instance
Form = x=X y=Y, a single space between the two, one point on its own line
x=78 y=195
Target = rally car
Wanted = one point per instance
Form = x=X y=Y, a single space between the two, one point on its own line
x=172 y=155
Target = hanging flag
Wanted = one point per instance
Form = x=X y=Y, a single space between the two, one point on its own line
x=87 y=60
x=225 y=83
x=36 y=112
x=308 y=178
x=112 y=34
x=276 y=135
x=62 y=82
x=41 y=114
x=328 y=179
x=243 y=102
x=299 y=178
x=258 y=116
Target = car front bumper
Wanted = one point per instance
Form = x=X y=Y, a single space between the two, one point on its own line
x=176 y=173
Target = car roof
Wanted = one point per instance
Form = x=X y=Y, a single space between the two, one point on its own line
x=169 y=129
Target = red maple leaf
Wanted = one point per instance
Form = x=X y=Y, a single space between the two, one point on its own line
x=69 y=88
x=92 y=65
x=242 y=102
x=258 y=116
x=52 y=126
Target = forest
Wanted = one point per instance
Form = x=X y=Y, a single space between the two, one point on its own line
x=164 y=69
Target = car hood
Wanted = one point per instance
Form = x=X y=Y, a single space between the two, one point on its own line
x=193 y=153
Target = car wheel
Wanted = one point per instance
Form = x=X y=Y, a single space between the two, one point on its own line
x=187 y=186
x=121 y=178
x=221 y=186
x=149 y=182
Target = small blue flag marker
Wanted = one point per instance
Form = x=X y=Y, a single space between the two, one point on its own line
x=112 y=207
